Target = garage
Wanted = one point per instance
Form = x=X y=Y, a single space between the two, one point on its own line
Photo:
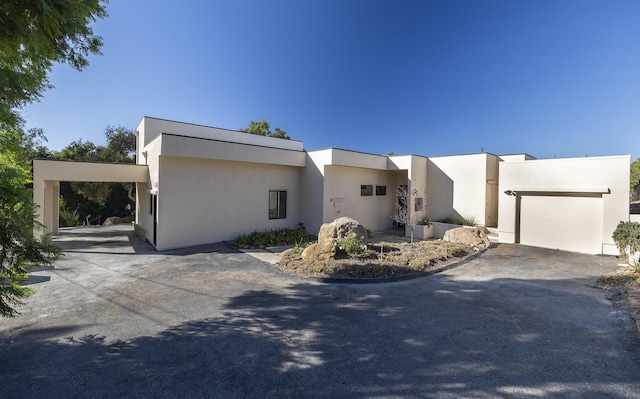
x=570 y=222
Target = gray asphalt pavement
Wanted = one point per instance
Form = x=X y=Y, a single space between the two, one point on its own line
x=115 y=319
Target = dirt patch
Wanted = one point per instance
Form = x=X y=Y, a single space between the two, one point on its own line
x=624 y=285
x=380 y=260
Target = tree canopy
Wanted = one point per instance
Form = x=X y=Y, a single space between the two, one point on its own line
x=18 y=248
x=95 y=198
x=262 y=128
x=34 y=34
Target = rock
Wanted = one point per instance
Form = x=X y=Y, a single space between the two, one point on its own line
x=342 y=228
x=113 y=220
x=469 y=236
x=320 y=251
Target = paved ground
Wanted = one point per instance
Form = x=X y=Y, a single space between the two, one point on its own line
x=114 y=319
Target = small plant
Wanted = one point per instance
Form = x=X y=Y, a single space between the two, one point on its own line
x=68 y=217
x=298 y=248
x=352 y=245
x=424 y=221
x=627 y=238
x=369 y=233
x=469 y=221
x=457 y=219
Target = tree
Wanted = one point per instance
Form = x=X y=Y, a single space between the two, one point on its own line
x=634 y=186
x=403 y=214
x=627 y=238
x=93 y=199
x=262 y=129
x=19 y=250
x=121 y=145
x=33 y=36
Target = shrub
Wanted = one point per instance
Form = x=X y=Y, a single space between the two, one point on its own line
x=270 y=238
x=68 y=217
x=457 y=219
x=627 y=237
x=352 y=245
x=424 y=221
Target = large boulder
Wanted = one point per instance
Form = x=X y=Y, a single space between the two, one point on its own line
x=114 y=220
x=469 y=236
x=342 y=228
x=320 y=251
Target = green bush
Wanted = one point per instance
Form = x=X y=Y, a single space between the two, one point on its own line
x=424 y=221
x=272 y=238
x=68 y=217
x=627 y=236
x=352 y=245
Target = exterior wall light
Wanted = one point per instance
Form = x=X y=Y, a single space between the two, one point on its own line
x=510 y=192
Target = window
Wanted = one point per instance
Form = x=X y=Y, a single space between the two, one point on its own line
x=366 y=190
x=381 y=190
x=277 y=204
x=418 y=204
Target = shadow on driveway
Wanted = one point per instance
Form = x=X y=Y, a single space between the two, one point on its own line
x=167 y=326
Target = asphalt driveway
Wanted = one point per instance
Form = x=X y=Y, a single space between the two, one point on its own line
x=115 y=319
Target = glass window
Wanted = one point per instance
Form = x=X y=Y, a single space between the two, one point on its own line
x=418 y=204
x=277 y=204
x=381 y=190
x=366 y=190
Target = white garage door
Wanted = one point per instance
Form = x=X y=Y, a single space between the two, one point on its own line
x=562 y=222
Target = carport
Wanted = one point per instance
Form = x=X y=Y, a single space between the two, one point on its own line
x=47 y=175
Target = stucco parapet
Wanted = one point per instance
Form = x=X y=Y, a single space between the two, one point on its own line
x=154 y=127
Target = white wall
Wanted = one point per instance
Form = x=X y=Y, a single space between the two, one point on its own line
x=342 y=184
x=458 y=185
x=608 y=176
x=203 y=201
x=151 y=128
x=516 y=157
x=312 y=187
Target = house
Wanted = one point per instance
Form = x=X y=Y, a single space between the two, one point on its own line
x=198 y=184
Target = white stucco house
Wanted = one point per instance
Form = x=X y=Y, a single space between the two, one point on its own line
x=198 y=185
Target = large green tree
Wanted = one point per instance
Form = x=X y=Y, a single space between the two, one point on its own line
x=34 y=34
x=262 y=128
x=19 y=250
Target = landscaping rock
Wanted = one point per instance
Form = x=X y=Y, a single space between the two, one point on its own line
x=469 y=236
x=320 y=251
x=113 y=220
x=342 y=228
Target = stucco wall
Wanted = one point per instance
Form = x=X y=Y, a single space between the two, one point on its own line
x=312 y=187
x=203 y=201
x=576 y=176
x=458 y=185
x=342 y=184
x=151 y=128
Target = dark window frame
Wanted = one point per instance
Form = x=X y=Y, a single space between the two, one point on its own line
x=366 y=190
x=381 y=190
x=277 y=204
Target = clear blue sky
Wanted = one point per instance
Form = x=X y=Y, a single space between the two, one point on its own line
x=424 y=77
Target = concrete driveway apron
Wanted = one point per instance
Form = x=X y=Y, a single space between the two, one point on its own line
x=115 y=318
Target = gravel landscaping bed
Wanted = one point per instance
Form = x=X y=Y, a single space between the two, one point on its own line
x=380 y=260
